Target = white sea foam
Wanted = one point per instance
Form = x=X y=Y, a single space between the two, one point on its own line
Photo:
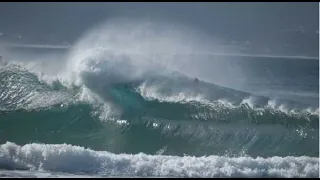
x=103 y=109
x=183 y=95
x=74 y=159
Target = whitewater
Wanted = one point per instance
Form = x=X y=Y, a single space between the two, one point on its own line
x=123 y=102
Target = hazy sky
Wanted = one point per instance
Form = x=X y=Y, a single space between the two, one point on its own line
x=261 y=23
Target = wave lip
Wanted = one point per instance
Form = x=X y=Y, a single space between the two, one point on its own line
x=74 y=159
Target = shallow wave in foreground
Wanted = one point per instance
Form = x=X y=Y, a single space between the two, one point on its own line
x=74 y=159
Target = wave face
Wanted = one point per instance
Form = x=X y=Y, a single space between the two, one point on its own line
x=119 y=99
x=174 y=113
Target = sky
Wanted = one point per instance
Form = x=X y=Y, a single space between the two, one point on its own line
x=287 y=28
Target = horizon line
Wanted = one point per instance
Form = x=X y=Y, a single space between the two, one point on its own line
x=40 y=46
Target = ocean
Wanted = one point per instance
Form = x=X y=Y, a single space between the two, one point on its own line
x=105 y=113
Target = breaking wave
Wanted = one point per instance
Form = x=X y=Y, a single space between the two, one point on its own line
x=121 y=92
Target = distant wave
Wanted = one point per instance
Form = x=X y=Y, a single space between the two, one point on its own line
x=41 y=46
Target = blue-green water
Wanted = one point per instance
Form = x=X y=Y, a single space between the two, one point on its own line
x=169 y=118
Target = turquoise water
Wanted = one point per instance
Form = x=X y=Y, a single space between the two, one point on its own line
x=169 y=119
